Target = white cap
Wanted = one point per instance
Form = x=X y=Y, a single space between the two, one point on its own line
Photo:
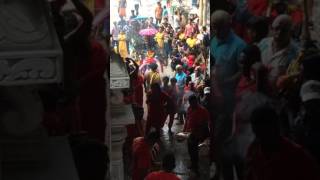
x=206 y=90
x=310 y=90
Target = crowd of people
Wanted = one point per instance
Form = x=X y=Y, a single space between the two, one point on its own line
x=259 y=108
x=169 y=64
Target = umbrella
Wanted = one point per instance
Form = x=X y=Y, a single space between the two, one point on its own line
x=140 y=17
x=148 y=32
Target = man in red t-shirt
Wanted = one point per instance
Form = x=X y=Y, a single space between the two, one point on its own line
x=197 y=124
x=168 y=164
x=272 y=156
x=142 y=155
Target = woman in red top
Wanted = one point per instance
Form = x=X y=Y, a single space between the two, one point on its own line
x=156 y=101
x=249 y=56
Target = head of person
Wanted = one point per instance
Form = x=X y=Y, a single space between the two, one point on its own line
x=193 y=101
x=176 y=12
x=173 y=81
x=165 y=80
x=282 y=29
x=159 y=4
x=310 y=96
x=204 y=29
x=266 y=127
x=179 y=68
x=151 y=19
x=164 y=7
x=221 y=24
x=132 y=12
x=153 y=66
x=165 y=20
x=168 y=162
x=281 y=7
x=197 y=71
x=161 y=29
x=250 y=55
x=258 y=28
x=190 y=21
x=152 y=137
x=155 y=88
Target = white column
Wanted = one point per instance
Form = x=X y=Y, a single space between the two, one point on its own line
x=121 y=115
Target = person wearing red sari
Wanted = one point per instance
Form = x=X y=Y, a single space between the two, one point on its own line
x=142 y=155
x=168 y=165
x=249 y=56
x=274 y=157
x=156 y=101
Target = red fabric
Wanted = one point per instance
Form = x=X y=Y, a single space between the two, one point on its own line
x=150 y=60
x=191 y=59
x=290 y=162
x=195 y=118
x=245 y=85
x=92 y=99
x=132 y=131
x=297 y=16
x=100 y=4
x=142 y=158
x=138 y=90
x=241 y=30
x=161 y=175
x=257 y=7
x=156 y=111
x=137 y=96
x=189 y=29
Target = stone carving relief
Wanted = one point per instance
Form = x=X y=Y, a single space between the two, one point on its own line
x=22 y=23
x=29 y=69
x=30 y=52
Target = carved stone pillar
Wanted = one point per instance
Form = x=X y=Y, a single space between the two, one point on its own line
x=121 y=115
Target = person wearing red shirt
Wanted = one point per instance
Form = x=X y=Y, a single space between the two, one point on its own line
x=197 y=124
x=168 y=164
x=274 y=157
x=142 y=155
x=191 y=60
x=189 y=29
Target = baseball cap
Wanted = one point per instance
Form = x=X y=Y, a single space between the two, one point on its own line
x=310 y=90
